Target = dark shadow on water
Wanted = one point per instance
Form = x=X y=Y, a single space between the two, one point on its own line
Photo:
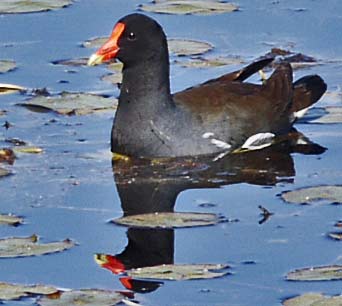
x=148 y=186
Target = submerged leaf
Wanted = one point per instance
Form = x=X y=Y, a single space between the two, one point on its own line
x=314 y=299
x=10 y=88
x=180 y=272
x=29 y=246
x=29 y=6
x=10 y=219
x=170 y=220
x=324 y=273
x=91 y=297
x=314 y=194
x=72 y=103
x=189 y=7
x=7 y=65
x=16 y=291
x=200 y=62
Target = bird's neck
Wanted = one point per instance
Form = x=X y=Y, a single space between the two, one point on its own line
x=146 y=84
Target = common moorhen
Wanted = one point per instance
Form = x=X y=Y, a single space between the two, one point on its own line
x=217 y=116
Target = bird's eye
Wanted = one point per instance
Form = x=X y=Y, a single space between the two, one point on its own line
x=131 y=36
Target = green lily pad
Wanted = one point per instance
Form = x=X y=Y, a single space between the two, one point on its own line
x=183 y=47
x=7 y=65
x=113 y=78
x=10 y=88
x=72 y=103
x=91 y=297
x=332 y=194
x=325 y=273
x=29 y=6
x=10 y=219
x=170 y=220
x=29 y=246
x=201 y=62
x=16 y=291
x=314 y=299
x=197 y=7
x=180 y=272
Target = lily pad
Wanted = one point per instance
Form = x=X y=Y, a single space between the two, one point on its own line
x=28 y=150
x=335 y=235
x=10 y=88
x=180 y=272
x=72 y=103
x=29 y=246
x=170 y=220
x=314 y=299
x=16 y=291
x=332 y=114
x=332 y=194
x=29 y=6
x=200 y=62
x=7 y=65
x=183 y=47
x=113 y=78
x=4 y=172
x=197 y=7
x=83 y=297
x=325 y=273
x=10 y=219
x=72 y=62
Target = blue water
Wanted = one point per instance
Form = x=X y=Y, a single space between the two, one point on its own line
x=63 y=193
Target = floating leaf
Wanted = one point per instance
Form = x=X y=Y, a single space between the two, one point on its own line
x=72 y=62
x=10 y=88
x=29 y=6
x=200 y=62
x=113 y=78
x=170 y=220
x=332 y=114
x=15 y=291
x=335 y=235
x=7 y=65
x=182 y=47
x=180 y=272
x=316 y=274
x=29 y=246
x=313 y=194
x=314 y=299
x=4 y=172
x=10 y=219
x=72 y=103
x=95 y=43
x=28 y=150
x=90 y=297
x=189 y=7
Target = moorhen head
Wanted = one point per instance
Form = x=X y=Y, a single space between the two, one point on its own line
x=216 y=117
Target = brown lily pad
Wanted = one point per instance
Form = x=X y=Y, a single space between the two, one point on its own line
x=7 y=65
x=29 y=246
x=10 y=220
x=16 y=291
x=314 y=299
x=184 y=7
x=325 y=273
x=91 y=297
x=170 y=220
x=180 y=272
x=72 y=103
x=332 y=194
x=29 y=6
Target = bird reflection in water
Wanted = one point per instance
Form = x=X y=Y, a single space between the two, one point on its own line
x=149 y=186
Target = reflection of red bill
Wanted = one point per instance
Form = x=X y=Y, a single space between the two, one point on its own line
x=110 y=263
